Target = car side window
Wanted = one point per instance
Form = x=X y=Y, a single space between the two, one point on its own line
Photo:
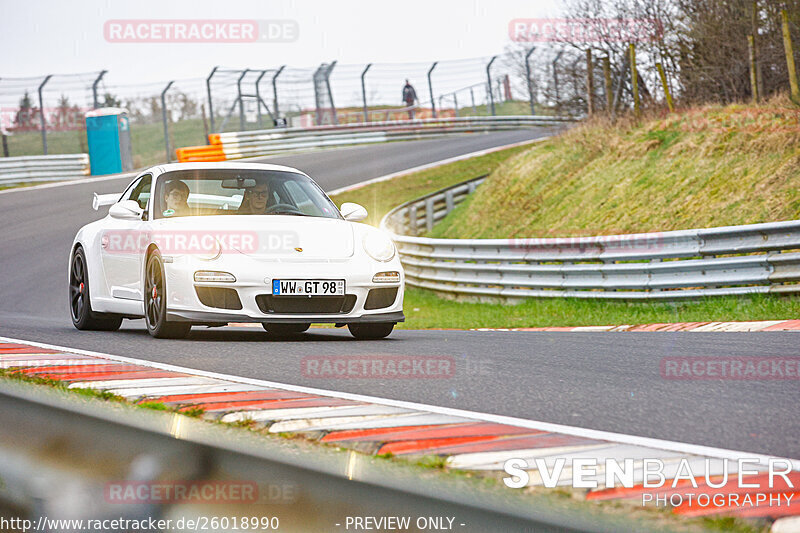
x=140 y=193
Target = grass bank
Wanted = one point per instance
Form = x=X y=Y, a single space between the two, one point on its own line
x=712 y=166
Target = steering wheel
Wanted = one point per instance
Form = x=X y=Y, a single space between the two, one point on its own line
x=283 y=208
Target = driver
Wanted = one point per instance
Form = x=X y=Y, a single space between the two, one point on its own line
x=255 y=200
x=176 y=195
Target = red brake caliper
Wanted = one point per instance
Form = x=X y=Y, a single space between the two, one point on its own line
x=155 y=292
x=80 y=289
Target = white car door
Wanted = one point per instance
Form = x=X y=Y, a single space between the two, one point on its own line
x=121 y=246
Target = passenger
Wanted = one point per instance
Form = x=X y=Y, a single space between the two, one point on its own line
x=255 y=200
x=176 y=194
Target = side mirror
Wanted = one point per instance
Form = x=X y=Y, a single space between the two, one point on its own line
x=127 y=210
x=353 y=212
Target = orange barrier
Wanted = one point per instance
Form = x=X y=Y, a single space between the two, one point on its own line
x=201 y=153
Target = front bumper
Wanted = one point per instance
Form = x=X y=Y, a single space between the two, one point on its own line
x=254 y=279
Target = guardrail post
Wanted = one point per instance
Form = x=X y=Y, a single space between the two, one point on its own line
x=430 y=88
x=429 y=219
x=275 y=91
x=489 y=79
x=208 y=91
x=94 y=88
x=164 y=119
x=258 y=98
x=364 y=92
x=471 y=186
x=330 y=93
x=41 y=113
x=528 y=79
x=449 y=202
x=412 y=218
x=241 y=100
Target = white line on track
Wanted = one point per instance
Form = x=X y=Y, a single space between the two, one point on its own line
x=694 y=449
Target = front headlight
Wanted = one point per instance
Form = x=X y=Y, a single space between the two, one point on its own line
x=379 y=246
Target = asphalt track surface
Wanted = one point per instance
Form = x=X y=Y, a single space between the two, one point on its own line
x=605 y=381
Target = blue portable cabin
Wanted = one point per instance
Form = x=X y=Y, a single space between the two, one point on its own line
x=109 y=138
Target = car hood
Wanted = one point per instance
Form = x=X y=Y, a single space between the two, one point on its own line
x=268 y=237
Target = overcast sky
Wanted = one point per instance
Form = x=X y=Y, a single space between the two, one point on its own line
x=57 y=36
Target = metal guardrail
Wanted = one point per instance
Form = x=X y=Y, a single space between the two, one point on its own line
x=756 y=258
x=237 y=145
x=43 y=168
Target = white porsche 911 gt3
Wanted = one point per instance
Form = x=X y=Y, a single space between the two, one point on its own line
x=212 y=243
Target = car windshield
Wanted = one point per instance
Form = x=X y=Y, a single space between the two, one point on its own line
x=204 y=192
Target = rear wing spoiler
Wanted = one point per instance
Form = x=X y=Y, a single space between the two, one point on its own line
x=100 y=200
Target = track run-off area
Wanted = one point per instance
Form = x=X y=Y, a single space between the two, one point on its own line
x=607 y=381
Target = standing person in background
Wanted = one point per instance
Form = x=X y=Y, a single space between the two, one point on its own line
x=409 y=97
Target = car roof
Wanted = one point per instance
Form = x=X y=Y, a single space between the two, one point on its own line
x=225 y=165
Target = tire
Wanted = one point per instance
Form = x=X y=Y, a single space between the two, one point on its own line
x=285 y=329
x=377 y=330
x=155 y=302
x=80 y=304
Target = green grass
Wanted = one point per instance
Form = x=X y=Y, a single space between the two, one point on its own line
x=423 y=310
x=380 y=198
x=707 y=167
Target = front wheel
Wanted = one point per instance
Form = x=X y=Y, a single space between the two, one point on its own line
x=80 y=304
x=285 y=329
x=378 y=330
x=155 y=303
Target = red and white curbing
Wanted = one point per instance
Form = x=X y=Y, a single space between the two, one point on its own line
x=469 y=440
x=761 y=325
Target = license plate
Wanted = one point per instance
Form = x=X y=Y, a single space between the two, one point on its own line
x=308 y=287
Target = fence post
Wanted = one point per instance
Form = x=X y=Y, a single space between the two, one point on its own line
x=241 y=100
x=528 y=77
x=364 y=92
x=258 y=97
x=5 y=144
x=275 y=91
x=472 y=97
x=94 y=88
x=328 y=87
x=41 y=113
x=751 y=47
x=787 y=44
x=210 y=104
x=608 y=85
x=455 y=102
x=555 y=79
x=665 y=85
x=489 y=80
x=430 y=88
x=589 y=82
x=637 y=110
x=164 y=119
